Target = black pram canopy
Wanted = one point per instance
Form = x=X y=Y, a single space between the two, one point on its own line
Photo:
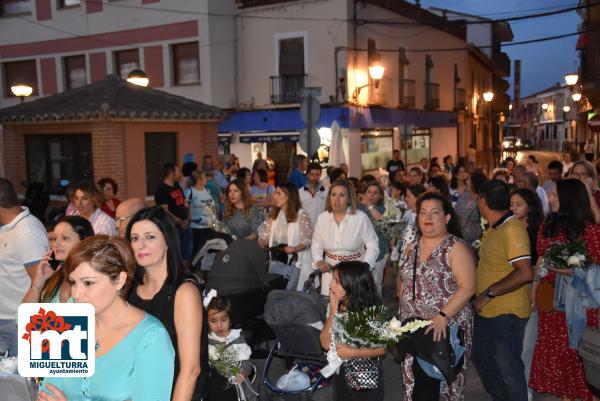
x=240 y=268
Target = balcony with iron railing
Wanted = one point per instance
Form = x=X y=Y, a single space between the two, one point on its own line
x=287 y=88
x=407 y=93
x=432 y=96
x=502 y=63
x=459 y=99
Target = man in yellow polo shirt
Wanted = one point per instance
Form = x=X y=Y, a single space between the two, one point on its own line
x=502 y=303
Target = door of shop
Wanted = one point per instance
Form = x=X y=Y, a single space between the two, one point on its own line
x=282 y=154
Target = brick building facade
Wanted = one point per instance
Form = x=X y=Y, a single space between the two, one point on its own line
x=129 y=133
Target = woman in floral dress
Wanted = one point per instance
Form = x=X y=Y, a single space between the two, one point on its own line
x=556 y=368
x=436 y=279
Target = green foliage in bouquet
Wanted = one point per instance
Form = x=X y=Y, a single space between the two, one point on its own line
x=375 y=326
x=568 y=255
x=225 y=360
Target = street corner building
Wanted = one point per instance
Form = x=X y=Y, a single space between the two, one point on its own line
x=110 y=128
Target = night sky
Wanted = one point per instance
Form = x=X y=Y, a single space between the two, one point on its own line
x=542 y=64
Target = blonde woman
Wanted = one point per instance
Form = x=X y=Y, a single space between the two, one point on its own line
x=342 y=233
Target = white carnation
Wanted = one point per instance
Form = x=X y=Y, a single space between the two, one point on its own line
x=573 y=261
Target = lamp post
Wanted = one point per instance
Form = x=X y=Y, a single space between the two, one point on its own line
x=376 y=71
x=571 y=78
x=488 y=96
x=138 y=77
x=21 y=90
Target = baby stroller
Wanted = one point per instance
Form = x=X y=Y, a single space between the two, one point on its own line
x=292 y=315
x=240 y=273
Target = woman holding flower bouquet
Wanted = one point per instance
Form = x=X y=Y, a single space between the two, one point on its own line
x=352 y=290
x=436 y=280
x=556 y=367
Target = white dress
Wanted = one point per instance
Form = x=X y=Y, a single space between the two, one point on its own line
x=354 y=238
x=279 y=231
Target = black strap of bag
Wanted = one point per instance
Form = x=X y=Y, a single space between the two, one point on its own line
x=415 y=270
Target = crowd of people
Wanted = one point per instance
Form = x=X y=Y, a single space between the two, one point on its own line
x=468 y=258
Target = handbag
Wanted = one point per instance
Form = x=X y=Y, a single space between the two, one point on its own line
x=544 y=297
x=361 y=374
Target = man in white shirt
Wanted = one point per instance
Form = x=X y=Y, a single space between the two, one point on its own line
x=23 y=242
x=313 y=195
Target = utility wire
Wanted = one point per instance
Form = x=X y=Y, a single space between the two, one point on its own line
x=360 y=21
x=453 y=49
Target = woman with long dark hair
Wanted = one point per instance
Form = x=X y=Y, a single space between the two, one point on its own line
x=556 y=367
x=241 y=217
x=527 y=207
x=48 y=283
x=162 y=288
x=436 y=280
x=289 y=225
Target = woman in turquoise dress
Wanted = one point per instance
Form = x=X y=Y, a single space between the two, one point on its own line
x=48 y=283
x=134 y=355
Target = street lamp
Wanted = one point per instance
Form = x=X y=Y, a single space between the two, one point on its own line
x=488 y=96
x=21 y=90
x=544 y=106
x=566 y=108
x=571 y=78
x=376 y=71
x=576 y=96
x=138 y=77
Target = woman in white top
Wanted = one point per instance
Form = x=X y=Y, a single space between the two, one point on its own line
x=87 y=201
x=290 y=225
x=342 y=233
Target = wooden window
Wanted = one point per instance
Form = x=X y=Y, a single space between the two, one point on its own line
x=291 y=56
x=75 y=72
x=126 y=61
x=186 y=63
x=160 y=150
x=52 y=158
x=20 y=72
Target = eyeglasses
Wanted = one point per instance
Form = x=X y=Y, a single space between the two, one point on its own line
x=107 y=189
x=120 y=220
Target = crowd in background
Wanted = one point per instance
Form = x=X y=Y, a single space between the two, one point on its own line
x=470 y=246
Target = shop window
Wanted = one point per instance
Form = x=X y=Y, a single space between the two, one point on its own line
x=126 y=61
x=52 y=158
x=75 y=72
x=20 y=72
x=186 y=63
x=376 y=148
x=160 y=150
x=415 y=145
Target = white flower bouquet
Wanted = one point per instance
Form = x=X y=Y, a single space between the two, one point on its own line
x=375 y=326
x=394 y=219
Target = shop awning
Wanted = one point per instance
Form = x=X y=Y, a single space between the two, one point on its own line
x=268 y=137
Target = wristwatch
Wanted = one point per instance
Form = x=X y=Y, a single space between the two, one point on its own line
x=489 y=293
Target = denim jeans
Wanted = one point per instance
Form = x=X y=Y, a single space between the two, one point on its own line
x=186 y=242
x=529 y=340
x=497 y=349
x=8 y=337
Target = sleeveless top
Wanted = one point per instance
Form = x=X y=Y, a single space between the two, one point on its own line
x=162 y=306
